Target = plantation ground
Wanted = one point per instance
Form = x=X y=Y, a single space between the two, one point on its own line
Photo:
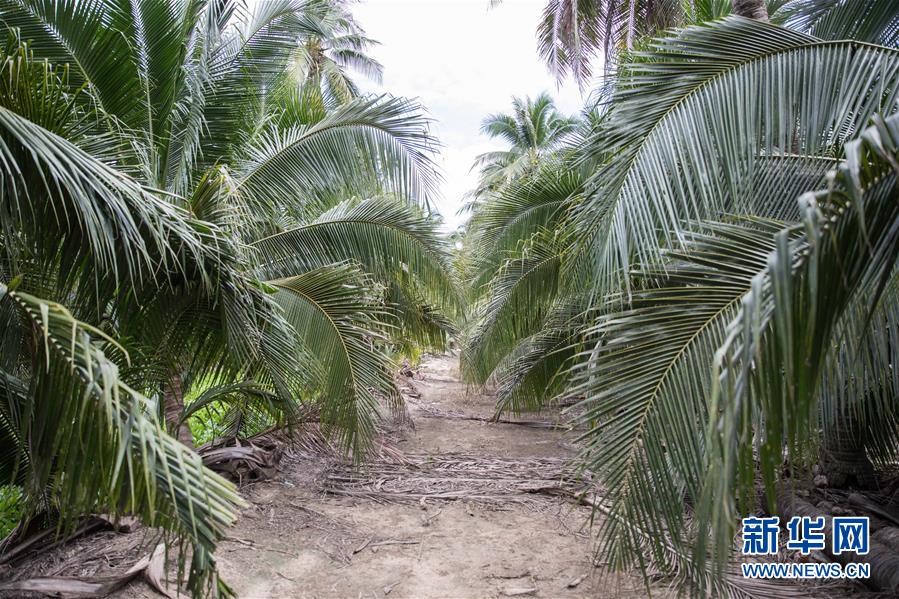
x=453 y=505
x=322 y=530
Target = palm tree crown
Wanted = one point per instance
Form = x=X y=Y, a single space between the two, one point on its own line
x=339 y=45
x=534 y=128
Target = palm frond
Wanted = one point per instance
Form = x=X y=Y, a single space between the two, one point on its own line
x=337 y=320
x=525 y=206
x=535 y=372
x=384 y=135
x=572 y=32
x=249 y=58
x=514 y=307
x=105 y=437
x=697 y=116
x=417 y=323
x=390 y=240
x=82 y=35
x=646 y=387
x=769 y=372
x=859 y=387
x=874 y=21
x=51 y=186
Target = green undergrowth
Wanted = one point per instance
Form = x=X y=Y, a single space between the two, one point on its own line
x=10 y=508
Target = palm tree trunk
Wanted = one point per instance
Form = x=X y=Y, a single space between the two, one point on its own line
x=753 y=9
x=845 y=461
x=173 y=403
x=630 y=24
x=883 y=559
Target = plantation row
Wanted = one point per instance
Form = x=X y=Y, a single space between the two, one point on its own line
x=209 y=233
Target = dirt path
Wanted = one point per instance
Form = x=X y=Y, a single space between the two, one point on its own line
x=324 y=530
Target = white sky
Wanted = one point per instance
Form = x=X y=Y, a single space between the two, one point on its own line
x=461 y=60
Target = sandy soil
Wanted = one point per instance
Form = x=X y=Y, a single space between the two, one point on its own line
x=300 y=539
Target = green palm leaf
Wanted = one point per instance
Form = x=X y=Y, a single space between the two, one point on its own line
x=535 y=371
x=874 y=21
x=390 y=240
x=514 y=307
x=859 y=388
x=105 y=437
x=338 y=321
x=382 y=135
x=696 y=120
x=81 y=34
x=778 y=344
x=524 y=207
x=51 y=185
x=646 y=385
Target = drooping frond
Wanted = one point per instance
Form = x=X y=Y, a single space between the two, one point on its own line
x=418 y=324
x=106 y=438
x=245 y=67
x=535 y=372
x=696 y=120
x=338 y=321
x=390 y=240
x=646 y=385
x=574 y=34
x=874 y=21
x=514 y=306
x=769 y=373
x=525 y=206
x=353 y=58
x=50 y=186
x=859 y=389
x=382 y=135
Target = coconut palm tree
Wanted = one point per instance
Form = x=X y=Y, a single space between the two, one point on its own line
x=534 y=129
x=169 y=225
x=515 y=244
x=572 y=34
x=699 y=162
x=324 y=60
x=514 y=258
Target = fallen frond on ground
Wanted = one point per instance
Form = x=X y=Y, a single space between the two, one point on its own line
x=454 y=476
x=151 y=567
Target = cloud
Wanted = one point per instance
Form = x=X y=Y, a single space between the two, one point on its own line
x=462 y=61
